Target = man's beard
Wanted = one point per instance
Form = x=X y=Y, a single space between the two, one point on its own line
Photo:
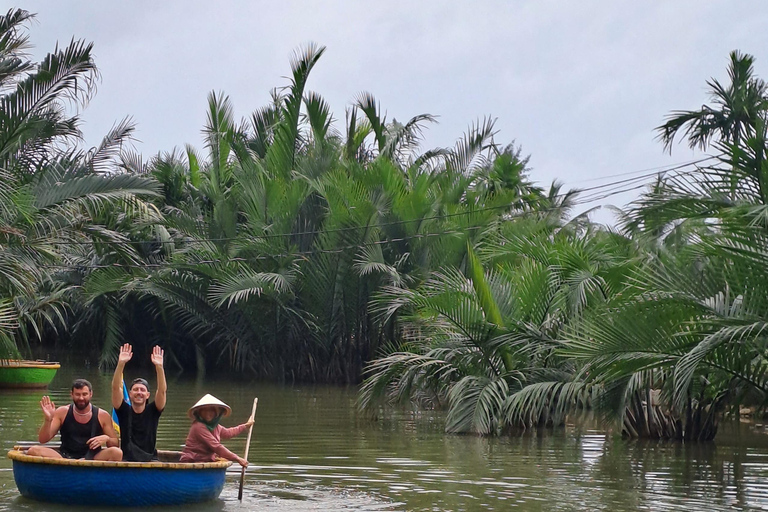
x=85 y=403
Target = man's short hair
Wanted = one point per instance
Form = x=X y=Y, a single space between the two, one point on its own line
x=80 y=384
x=139 y=381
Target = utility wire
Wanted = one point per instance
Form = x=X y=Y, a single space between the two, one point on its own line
x=310 y=252
x=359 y=245
x=589 y=198
x=645 y=176
x=651 y=170
x=612 y=189
x=622 y=186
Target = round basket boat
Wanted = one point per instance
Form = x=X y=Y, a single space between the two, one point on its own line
x=127 y=484
x=15 y=373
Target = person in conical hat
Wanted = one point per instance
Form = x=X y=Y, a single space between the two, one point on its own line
x=203 y=442
x=209 y=400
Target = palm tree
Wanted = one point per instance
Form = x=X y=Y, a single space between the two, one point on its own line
x=33 y=113
x=285 y=230
x=483 y=341
x=737 y=109
x=227 y=218
x=683 y=342
x=54 y=195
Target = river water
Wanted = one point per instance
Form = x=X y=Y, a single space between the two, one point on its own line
x=312 y=451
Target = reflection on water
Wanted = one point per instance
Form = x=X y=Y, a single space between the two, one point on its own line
x=310 y=451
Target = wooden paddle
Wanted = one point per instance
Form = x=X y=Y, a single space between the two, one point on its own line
x=247 y=447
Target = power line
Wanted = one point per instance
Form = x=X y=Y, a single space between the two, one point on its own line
x=310 y=252
x=598 y=197
x=655 y=170
x=638 y=178
x=584 y=200
x=623 y=186
x=361 y=245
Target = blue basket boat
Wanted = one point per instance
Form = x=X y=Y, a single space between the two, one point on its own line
x=128 y=484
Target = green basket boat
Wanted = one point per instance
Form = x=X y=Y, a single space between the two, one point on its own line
x=15 y=373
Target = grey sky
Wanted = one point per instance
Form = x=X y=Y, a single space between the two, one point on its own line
x=580 y=85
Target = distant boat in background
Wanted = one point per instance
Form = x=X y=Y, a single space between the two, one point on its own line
x=19 y=373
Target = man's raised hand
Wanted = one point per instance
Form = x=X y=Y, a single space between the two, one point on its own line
x=126 y=353
x=157 y=356
x=48 y=408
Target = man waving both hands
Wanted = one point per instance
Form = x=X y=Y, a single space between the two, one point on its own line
x=138 y=421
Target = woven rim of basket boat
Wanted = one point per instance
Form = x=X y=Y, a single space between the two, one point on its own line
x=15 y=363
x=19 y=455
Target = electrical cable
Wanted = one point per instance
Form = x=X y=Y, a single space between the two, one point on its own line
x=613 y=188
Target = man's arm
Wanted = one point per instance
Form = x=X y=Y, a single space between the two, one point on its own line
x=109 y=430
x=126 y=353
x=51 y=422
x=162 y=387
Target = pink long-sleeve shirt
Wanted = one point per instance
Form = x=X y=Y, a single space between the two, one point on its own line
x=202 y=445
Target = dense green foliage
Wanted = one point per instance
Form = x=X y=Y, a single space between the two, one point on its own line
x=290 y=249
x=61 y=208
x=262 y=252
x=661 y=327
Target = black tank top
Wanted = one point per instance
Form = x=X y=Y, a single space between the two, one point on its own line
x=75 y=436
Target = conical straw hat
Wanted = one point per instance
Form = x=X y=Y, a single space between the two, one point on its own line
x=209 y=400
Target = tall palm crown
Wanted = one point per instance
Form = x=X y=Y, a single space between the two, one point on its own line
x=286 y=227
x=52 y=193
x=736 y=109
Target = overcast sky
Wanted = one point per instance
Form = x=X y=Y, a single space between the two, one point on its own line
x=580 y=85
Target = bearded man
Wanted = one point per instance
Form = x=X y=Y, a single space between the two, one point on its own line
x=86 y=431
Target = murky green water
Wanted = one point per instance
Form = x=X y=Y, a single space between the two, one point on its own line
x=310 y=451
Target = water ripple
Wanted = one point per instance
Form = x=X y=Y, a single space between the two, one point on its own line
x=310 y=451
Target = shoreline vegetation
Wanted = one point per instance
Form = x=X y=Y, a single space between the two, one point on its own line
x=298 y=246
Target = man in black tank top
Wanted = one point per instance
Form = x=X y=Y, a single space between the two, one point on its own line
x=86 y=431
x=139 y=420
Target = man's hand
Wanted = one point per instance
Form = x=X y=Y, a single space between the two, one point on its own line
x=162 y=386
x=249 y=422
x=48 y=407
x=97 y=442
x=242 y=462
x=157 y=356
x=126 y=353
